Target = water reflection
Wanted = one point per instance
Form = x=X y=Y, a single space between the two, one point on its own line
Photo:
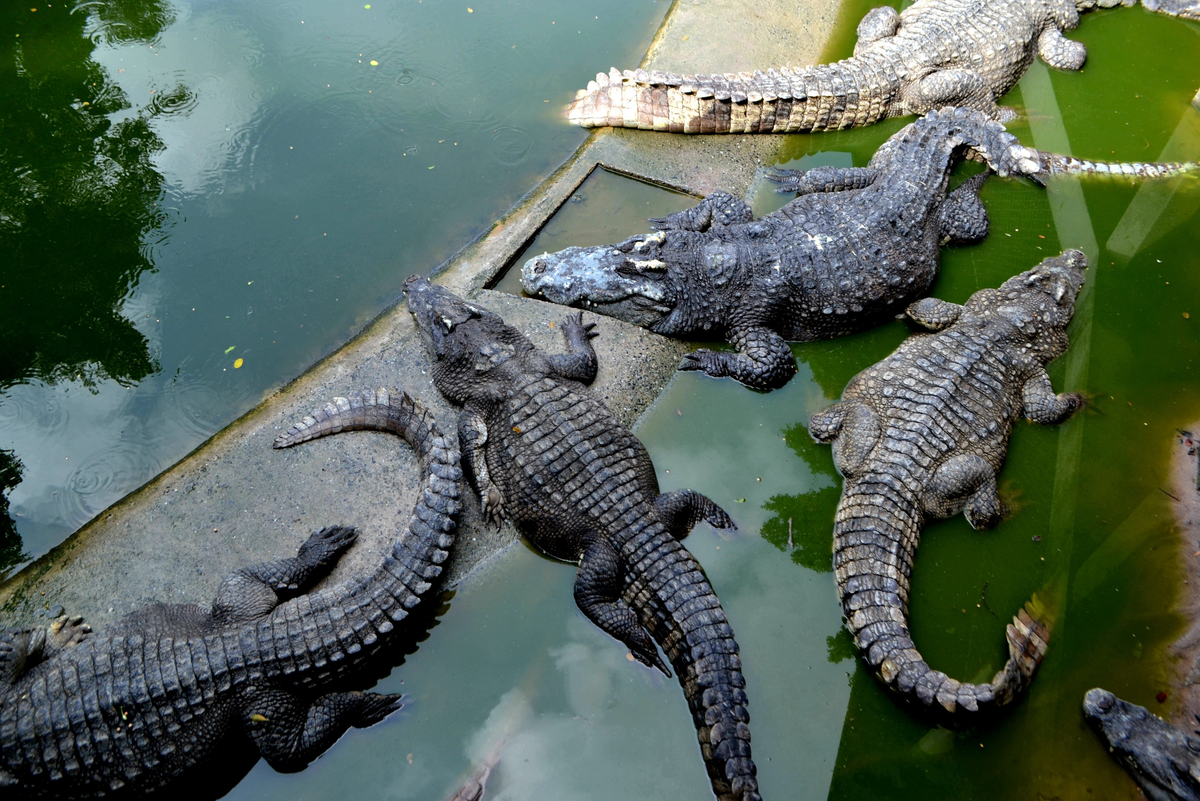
x=801 y=523
x=11 y=552
x=79 y=205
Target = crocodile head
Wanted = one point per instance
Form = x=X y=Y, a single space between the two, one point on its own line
x=647 y=280
x=1164 y=760
x=1040 y=302
x=466 y=342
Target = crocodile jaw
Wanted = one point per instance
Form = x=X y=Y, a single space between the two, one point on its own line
x=601 y=279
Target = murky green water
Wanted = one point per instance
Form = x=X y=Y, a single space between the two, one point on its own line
x=198 y=200
x=512 y=672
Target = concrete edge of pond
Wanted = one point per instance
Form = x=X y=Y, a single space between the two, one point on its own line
x=235 y=501
x=1184 y=477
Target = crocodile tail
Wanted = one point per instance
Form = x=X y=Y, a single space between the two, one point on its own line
x=678 y=607
x=875 y=535
x=818 y=98
x=368 y=410
x=369 y=608
x=1055 y=164
x=1184 y=9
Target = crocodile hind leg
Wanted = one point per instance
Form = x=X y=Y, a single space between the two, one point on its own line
x=954 y=87
x=472 y=438
x=719 y=208
x=682 y=509
x=822 y=179
x=598 y=587
x=764 y=362
x=252 y=592
x=963 y=219
x=965 y=483
x=579 y=363
x=825 y=425
x=290 y=732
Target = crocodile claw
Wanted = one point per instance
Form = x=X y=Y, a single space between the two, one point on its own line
x=67 y=631
x=375 y=707
x=491 y=503
x=704 y=360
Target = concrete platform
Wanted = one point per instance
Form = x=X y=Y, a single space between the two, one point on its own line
x=234 y=500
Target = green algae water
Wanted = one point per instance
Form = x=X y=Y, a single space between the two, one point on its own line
x=198 y=200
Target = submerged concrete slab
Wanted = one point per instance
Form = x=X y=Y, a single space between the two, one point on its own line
x=235 y=501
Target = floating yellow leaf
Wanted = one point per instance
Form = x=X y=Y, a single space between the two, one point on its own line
x=230 y=349
x=237 y=363
x=257 y=718
x=470 y=10
x=374 y=63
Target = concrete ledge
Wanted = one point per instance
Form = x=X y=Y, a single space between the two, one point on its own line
x=234 y=500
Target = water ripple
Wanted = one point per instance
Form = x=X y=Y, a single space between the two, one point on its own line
x=510 y=146
x=103 y=477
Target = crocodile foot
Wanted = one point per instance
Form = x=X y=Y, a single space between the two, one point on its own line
x=375 y=707
x=67 y=631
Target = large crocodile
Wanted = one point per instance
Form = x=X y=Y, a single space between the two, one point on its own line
x=921 y=435
x=1163 y=759
x=854 y=248
x=934 y=53
x=546 y=453
x=160 y=693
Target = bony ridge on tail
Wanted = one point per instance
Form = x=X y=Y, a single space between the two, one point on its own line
x=546 y=453
x=853 y=249
x=921 y=435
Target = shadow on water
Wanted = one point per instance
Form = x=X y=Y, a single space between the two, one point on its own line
x=79 y=203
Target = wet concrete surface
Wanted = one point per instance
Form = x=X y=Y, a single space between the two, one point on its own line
x=235 y=500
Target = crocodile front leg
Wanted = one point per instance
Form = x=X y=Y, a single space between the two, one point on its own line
x=1043 y=406
x=252 y=592
x=21 y=649
x=934 y=314
x=963 y=219
x=1060 y=52
x=719 y=208
x=764 y=360
x=290 y=732
x=680 y=510
x=472 y=438
x=579 y=363
x=597 y=590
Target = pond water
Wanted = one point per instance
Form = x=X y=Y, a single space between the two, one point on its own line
x=512 y=674
x=198 y=200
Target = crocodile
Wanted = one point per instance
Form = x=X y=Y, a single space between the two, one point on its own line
x=542 y=451
x=1163 y=759
x=934 y=53
x=855 y=247
x=159 y=696
x=922 y=435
